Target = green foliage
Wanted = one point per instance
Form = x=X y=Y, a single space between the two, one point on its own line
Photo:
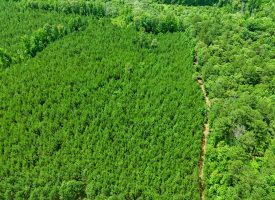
x=97 y=116
x=248 y=7
x=49 y=33
x=190 y=2
x=18 y=22
x=71 y=190
x=157 y=24
x=82 y=7
x=235 y=58
x=116 y=98
x=5 y=59
x=145 y=41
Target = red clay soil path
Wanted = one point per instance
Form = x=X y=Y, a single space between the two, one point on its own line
x=203 y=148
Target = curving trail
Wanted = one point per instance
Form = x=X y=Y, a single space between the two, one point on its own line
x=207 y=101
x=204 y=137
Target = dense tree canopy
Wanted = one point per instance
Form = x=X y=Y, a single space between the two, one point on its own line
x=137 y=73
x=190 y=2
x=102 y=113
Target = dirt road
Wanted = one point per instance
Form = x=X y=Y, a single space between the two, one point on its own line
x=204 y=137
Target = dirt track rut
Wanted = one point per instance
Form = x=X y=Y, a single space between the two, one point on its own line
x=204 y=137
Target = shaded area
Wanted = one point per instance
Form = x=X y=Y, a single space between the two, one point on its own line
x=190 y=2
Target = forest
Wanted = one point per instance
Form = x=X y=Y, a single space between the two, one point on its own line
x=99 y=99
